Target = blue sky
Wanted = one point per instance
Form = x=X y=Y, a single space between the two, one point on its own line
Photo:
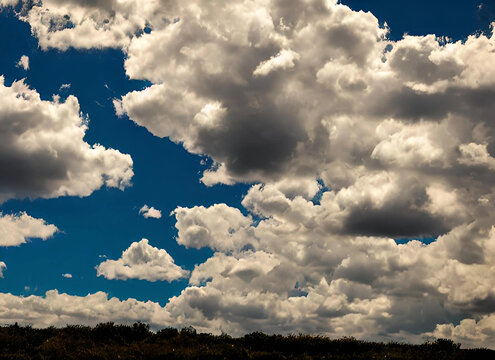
x=276 y=147
x=455 y=19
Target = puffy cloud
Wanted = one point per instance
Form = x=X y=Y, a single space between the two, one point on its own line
x=318 y=91
x=219 y=227
x=8 y=2
x=292 y=271
x=56 y=309
x=424 y=61
x=469 y=332
x=259 y=94
x=23 y=62
x=274 y=90
x=298 y=274
x=297 y=95
x=473 y=154
x=2 y=268
x=16 y=229
x=88 y=24
x=67 y=276
x=283 y=60
x=142 y=261
x=150 y=212
x=42 y=146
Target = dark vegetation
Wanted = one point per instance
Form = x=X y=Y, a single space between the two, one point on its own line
x=111 y=341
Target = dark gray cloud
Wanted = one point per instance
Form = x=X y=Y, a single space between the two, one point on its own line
x=396 y=222
x=253 y=140
x=411 y=105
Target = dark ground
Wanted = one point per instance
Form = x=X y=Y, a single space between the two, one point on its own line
x=110 y=341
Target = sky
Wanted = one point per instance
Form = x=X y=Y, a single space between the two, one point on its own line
x=311 y=166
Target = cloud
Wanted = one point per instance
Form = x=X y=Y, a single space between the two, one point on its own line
x=277 y=108
x=150 y=212
x=350 y=138
x=299 y=274
x=16 y=229
x=420 y=106
x=58 y=309
x=67 y=276
x=42 y=146
x=64 y=87
x=6 y=3
x=470 y=332
x=283 y=60
x=219 y=227
x=81 y=24
x=2 y=268
x=142 y=261
x=23 y=62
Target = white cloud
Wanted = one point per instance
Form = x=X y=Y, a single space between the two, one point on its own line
x=64 y=87
x=299 y=274
x=150 y=212
x=473 y=154
x=56 y=309
x=2 y=268
x=42 y=144
x=410 y=146
x=470 y=332
x=217 y=175
x=311 y=111
x=87 y=24
x=142 y=261
x=24 y=62
x=400 y=132
x=16 y=229
x=283 y=60
x=67 y=276
x=8 y=2
x=219 y=227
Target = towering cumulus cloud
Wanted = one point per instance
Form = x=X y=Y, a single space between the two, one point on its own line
x=352 y=140
x=42 y=151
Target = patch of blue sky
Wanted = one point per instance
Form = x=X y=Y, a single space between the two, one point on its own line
x=455 y=19
x=323 y=189
x=424 y=240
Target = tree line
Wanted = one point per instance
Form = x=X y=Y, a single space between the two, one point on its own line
x=137 y=341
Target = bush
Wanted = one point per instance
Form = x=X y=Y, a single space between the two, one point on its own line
x=136 y=341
